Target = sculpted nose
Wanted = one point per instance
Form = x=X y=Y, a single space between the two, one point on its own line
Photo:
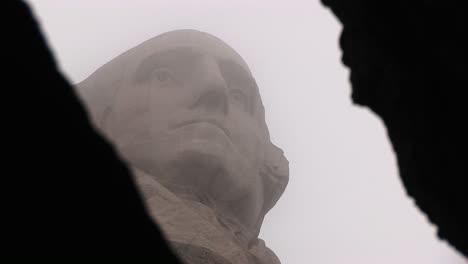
x=212 y=101
x=211 y=91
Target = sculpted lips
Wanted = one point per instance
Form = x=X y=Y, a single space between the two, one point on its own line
x=212 y=122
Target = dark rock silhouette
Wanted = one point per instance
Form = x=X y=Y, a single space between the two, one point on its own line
x=408 y=64
x=64 y=190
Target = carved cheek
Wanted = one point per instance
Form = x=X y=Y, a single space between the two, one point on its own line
x=246 y=137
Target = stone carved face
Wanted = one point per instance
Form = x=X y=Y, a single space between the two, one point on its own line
x=186 y=110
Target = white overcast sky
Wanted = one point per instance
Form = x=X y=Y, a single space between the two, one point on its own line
x=345 y=202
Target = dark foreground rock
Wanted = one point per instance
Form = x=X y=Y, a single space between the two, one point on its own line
x=408 y=64
x=64 y=191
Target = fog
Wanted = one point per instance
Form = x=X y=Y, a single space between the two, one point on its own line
x=344 y=202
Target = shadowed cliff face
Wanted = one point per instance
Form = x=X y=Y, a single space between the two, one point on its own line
x=407 y=65
x=64 y=189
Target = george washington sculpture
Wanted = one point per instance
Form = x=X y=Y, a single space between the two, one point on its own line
x=185 y=112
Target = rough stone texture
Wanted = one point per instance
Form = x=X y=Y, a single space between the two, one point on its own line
x=185 y=111
x=64 y=190
x=408 y=64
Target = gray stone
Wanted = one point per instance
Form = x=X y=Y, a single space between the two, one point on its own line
x=185 y=112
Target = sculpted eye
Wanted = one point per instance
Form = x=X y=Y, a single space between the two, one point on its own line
x=238 y=98
x=161 y=76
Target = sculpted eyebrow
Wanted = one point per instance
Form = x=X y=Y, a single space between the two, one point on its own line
x=179 y=56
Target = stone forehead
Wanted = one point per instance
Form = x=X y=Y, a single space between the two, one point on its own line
x=188 y=38
x=118 y=74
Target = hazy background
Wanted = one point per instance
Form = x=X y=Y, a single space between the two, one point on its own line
x=344 y=202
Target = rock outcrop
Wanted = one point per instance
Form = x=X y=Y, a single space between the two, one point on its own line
x=408 y=64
